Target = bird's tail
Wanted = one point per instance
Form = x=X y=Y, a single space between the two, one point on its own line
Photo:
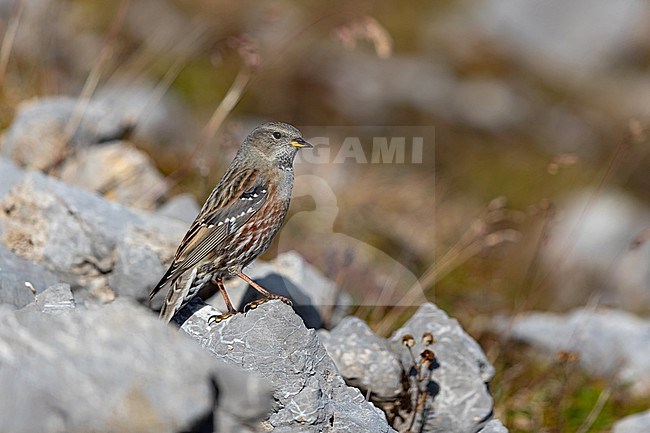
x=178 y=295
x=162 y=283
x=169 y=308
x=165 y=281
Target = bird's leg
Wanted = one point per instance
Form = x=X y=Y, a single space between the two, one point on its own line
x=226 y=298
x=267 y=295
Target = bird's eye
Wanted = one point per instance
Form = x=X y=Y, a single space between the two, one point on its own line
x=277 y=135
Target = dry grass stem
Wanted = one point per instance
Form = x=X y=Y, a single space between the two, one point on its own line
x=595 y=411
x=8 y=41
x=365 y=28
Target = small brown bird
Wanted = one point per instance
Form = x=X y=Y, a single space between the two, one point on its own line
x=238 y=221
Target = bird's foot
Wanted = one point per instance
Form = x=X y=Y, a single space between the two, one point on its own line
x=256 y=303
x=218 y=318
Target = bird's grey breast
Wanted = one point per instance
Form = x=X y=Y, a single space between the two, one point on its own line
x=285 y=184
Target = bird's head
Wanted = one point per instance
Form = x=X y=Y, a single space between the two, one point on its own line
x=276 y=142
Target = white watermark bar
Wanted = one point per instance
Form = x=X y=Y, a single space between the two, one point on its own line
x=368 y=144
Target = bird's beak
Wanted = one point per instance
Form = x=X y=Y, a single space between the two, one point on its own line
x=299 y=142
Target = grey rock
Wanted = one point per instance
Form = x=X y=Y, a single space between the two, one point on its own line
x=56 y=299
x=116 y=368
x=618 y=275
x=272 y=341
x=163 y=119
x=244 y=403
x=117 y=170
x=363 y=358
x=182 y=207
x=16 y=274
x=10 y=175
x=494 y=426
x=137 y=268
x=113 y=368
x=460 y=369
x=86 y=240
x=37 y=137
x=609 y=343
x=456 y=383
x=636 y=423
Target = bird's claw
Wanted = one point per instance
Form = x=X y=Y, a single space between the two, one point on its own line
x=256 y=303
x=283 y=299
x=218 y=318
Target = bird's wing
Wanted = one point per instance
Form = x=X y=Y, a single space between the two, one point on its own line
x=229 y=211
